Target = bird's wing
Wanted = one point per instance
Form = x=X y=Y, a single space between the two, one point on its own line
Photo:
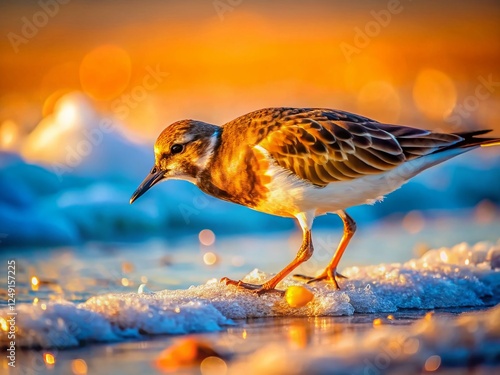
x=324 y=146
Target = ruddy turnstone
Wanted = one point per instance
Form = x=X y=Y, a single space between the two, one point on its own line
x=301 y=163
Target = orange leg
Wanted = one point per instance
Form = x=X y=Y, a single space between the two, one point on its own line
x=304 y=253
x=330 y=273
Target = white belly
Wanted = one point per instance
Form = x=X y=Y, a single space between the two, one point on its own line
x=289 y=195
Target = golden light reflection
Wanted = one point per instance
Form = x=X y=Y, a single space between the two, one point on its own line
x=35 y=283
x=43 y=306
x=377 y=322
x=49 y=105
x=125 y=281
x=3 y=324
x=66 y=115
x=432 y=363
x=79 y=367
x=206 y=237
x=49 y=359
x=434 y=94
x=209 y=258
x=184 y=353
x=244 y=334
x=52 y=130
x=213 y=366
x=105 y=72
x=379 y=100
x=298 y=335
x=9 y=134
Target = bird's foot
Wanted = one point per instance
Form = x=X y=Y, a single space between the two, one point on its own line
x=329 y=275
x=255 y=288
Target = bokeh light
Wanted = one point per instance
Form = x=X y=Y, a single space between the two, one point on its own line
x=79 y=367
x=434 y=94
x=213 y=366
x=432 y=363
x=206 y=237
x=9 y=134
x=49 y=359
x=210 y=258
x=105 y=72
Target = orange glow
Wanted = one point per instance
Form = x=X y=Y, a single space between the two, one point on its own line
x=432 y=363
x=3 y=324
x=298 y=336
x=434 y=94
x=34 y=282
x=49 y=359
x=49 y=104
x=213 y=366
x=9 y=132
x=298 y=296
x=184 y=353
x=105 y=72
x=79 y=367
x=379 y=100
x=206 y=237
x=377 y=322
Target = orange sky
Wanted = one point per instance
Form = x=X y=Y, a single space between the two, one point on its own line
x=420 y=61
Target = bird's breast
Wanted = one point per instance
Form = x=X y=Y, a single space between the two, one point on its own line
x=237 y=175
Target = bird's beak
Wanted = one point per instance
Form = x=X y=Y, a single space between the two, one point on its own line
x=152 y=179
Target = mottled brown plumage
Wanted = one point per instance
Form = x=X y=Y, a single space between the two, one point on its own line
x=301 y=162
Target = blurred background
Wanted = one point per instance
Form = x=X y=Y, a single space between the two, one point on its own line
x=86 y=86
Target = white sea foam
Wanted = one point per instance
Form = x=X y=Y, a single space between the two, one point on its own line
x=442 y=278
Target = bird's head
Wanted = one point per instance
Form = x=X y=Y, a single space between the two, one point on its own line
x=182 y=151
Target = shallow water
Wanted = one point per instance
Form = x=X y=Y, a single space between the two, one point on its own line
x=78 y=273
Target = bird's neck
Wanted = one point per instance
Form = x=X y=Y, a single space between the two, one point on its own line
x=208 y=150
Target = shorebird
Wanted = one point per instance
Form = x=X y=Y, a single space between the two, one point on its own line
x=301 y=163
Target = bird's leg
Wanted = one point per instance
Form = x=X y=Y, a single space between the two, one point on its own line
x=304 y=253
x=330 y=272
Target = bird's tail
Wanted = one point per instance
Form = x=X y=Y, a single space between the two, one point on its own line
x=470 y=140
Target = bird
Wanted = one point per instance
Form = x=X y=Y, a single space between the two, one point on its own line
x=301 y=163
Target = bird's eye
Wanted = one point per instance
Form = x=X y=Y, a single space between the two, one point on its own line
x=176 y=149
